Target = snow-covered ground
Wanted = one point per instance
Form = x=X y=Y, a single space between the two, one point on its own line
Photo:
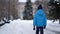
x=26 y=27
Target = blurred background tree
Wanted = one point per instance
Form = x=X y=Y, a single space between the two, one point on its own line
x=8 y=8
x=37 y=2
x=28 y=11
x=54 y=12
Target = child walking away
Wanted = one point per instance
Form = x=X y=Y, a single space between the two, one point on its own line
x=39 y=21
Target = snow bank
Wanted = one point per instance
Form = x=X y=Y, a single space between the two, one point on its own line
x=53 y=26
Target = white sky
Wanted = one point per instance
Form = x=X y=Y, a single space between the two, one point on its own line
x=25 y=0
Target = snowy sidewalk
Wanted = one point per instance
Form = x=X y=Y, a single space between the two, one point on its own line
x=26 y=27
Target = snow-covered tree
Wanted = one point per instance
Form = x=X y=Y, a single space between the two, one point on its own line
x=54 y=9
x=28 y=11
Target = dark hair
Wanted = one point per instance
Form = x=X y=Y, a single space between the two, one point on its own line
x=39 y=7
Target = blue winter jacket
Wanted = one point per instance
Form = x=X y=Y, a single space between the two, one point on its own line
x=39 y=18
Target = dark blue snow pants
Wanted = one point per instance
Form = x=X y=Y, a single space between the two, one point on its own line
x=39 y=29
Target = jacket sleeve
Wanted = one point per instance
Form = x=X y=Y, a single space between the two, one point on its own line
x=45 y=20
x=34 y=20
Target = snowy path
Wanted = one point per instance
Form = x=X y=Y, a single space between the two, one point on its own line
x=22 y=27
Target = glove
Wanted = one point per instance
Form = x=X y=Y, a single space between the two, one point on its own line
x=34 y=28
x=44 y=27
